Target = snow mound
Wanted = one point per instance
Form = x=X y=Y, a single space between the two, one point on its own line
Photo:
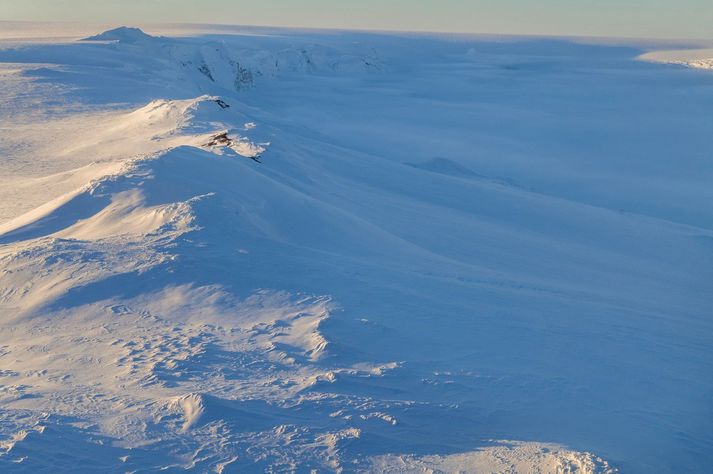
x=122 y=34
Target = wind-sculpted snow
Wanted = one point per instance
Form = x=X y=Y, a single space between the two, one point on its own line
x=115 y=278
x=111 y=280
x=352 y=253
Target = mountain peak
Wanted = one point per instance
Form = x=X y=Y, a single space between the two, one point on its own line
x=122 y=34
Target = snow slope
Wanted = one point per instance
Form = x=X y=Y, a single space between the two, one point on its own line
x=351 y=252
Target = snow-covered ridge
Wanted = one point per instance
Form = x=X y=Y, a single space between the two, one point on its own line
x=237 y=68
x=162 y=125
x=148 y=222
x=342 y=271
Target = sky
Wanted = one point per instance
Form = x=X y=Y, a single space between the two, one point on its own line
x=682 y=19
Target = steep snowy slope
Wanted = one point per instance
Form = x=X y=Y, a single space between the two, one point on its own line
x=353 y=253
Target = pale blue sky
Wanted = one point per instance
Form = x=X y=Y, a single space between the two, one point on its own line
x=629 y=18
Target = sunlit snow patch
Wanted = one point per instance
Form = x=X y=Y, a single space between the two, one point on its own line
x=503 y=457
x=692 y=58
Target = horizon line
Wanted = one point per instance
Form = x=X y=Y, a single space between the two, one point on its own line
x=707 y=41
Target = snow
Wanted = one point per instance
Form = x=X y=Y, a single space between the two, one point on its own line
x=123 y=34
x=341 y=251
x=503 y=457
x=696 y=58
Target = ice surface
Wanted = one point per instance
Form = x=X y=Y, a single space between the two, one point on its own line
x=353 y=252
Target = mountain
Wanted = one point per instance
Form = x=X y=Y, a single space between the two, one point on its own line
x=123 y=34
x=380 y=253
